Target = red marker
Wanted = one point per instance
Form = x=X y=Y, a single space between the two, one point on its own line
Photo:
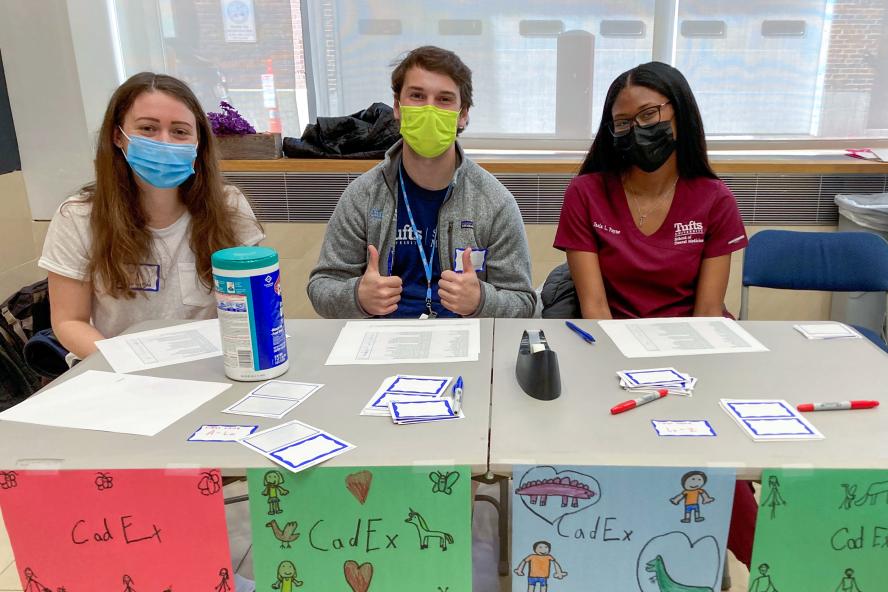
x=633 y=403
x=839 y=406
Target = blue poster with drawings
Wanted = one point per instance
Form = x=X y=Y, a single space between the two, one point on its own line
x=644 y=529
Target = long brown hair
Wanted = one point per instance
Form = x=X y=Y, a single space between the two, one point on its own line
x=120 y=235
x=690 y=149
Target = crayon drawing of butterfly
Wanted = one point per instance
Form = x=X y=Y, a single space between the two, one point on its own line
x=443 y=482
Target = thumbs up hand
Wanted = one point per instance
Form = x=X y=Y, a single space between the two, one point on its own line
x=378 y=295
x=461 y=292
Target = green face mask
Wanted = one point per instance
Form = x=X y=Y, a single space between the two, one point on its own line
x=428 y=130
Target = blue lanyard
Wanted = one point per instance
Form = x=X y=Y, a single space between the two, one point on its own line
x=426 y=261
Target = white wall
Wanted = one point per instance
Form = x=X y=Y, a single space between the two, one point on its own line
x=47 y=89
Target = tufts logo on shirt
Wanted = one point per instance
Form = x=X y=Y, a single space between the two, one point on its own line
x=688 y=233
x=405 y=234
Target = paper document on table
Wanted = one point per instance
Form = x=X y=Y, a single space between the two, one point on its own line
x=273 y=399
x=109 y=402
x=407 y=342
x=770 y=419
x=685 y=336
x=162 y=347
x=683 y=428
x=405 y=387
x=827 y=331
x=296 y=445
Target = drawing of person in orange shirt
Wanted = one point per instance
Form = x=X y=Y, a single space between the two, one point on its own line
x=693 y=495
x=540 y=562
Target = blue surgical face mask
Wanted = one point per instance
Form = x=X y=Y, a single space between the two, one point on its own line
x=161 y=164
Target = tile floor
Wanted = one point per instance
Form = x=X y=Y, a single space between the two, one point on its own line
x=484 y=550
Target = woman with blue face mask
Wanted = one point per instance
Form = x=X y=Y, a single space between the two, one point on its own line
x=135 y=244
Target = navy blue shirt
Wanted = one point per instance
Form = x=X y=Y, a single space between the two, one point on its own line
x=405 y=261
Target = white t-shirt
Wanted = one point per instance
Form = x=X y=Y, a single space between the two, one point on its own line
x=169 y=285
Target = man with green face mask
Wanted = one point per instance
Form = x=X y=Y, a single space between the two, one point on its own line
x=427 y=232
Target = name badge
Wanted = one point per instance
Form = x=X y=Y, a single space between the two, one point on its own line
x=479 y=260
x=147 y=278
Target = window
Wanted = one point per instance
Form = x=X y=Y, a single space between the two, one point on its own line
x=797 y=70
x=245 y=52
x=540 y=68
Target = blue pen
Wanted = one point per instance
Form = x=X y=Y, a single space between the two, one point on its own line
x=457 y=394
x=391 y=260
x=583 y=335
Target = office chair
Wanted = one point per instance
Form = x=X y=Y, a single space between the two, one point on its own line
x=827 y=261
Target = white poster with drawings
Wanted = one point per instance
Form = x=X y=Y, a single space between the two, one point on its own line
x=633 y=529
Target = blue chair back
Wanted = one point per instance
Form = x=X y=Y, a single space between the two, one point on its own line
x=828 y=261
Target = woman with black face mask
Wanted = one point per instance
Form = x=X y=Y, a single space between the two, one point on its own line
x=648 y=227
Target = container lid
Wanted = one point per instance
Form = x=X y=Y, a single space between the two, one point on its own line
x=243 y=258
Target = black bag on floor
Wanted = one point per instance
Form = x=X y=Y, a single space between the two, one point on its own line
x=21 y=315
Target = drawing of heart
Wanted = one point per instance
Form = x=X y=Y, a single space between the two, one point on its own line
x=552 y=495
x=358 y=576
x=359 y=485
x=672 y=561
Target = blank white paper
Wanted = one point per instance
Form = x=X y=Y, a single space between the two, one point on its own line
x=109 y=402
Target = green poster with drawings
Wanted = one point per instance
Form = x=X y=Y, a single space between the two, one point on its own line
x=821 y=530
x=361 y=529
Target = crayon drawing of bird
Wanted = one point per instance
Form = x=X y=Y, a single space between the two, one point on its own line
x=285 y=536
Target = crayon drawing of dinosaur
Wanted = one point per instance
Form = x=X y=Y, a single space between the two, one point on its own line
x=664 y=582
x=873 y=492
x=422 y=529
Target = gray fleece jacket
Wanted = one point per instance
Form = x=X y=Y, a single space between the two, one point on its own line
x=478 y=212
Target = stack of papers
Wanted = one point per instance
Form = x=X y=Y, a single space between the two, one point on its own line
x=768 y=420
x=654 y=379
x=406 y=387
x=827 y=331
x=404 y=412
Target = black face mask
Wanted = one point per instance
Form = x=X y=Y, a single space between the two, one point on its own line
x=647 y=147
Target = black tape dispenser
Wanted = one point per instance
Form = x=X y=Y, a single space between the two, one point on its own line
x=537 y=367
